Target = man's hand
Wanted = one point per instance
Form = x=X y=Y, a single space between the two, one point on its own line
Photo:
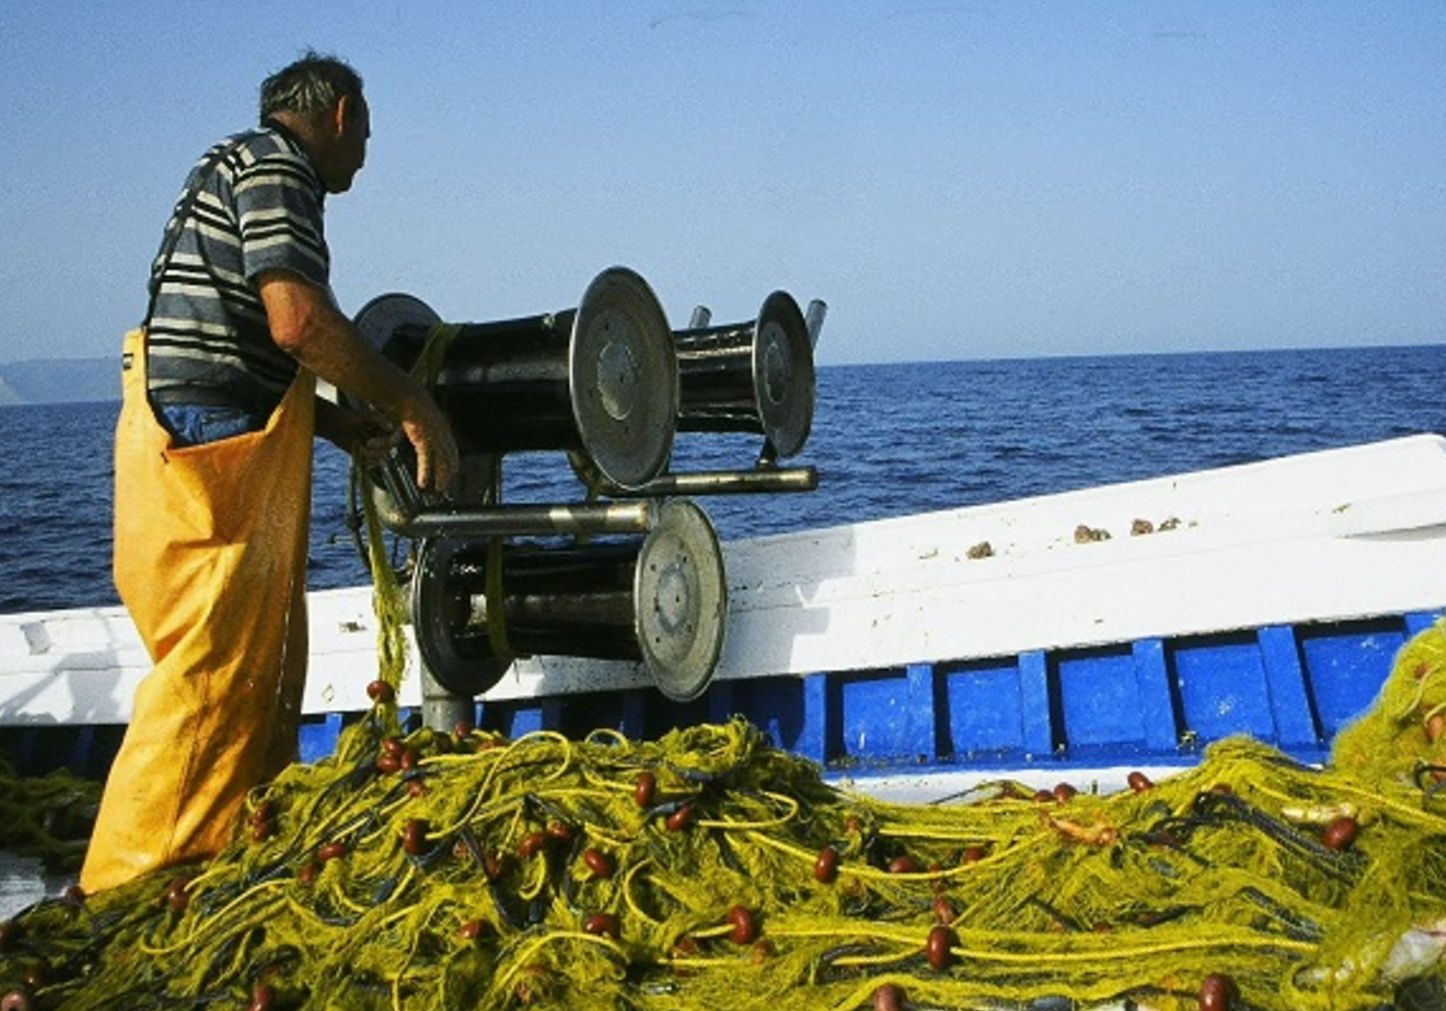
x=427 y=429
x=306 y=325
x=365 y=434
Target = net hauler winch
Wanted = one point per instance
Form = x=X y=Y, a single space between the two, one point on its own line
x=601 y=379
x=659 y=599
x=755 y=376
x=610 y=384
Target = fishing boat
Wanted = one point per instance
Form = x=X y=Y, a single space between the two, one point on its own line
x=1121 y=626
x=1101 y=637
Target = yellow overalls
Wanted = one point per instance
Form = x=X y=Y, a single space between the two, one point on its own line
x=210 y=560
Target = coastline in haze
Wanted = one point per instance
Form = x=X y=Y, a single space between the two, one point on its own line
x=60 y=381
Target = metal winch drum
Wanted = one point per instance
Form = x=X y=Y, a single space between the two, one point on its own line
x=755 y=376
x=659 y=599
x=636 y=575
x=601 y=379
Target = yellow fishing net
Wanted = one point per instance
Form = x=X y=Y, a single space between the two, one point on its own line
x=708 y=870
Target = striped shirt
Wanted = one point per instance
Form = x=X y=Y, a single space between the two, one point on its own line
x=259 y=209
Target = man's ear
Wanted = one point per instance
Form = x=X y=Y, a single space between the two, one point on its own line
x=340 y=113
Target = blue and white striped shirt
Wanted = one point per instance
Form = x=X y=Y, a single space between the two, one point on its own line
x=260 y=209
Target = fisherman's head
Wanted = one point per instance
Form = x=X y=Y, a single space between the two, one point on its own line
x=319 y=98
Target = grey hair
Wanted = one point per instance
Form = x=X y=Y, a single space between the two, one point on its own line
x=309 y=87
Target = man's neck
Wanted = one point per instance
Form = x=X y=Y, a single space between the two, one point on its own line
x=293 y=129
x=296 y=132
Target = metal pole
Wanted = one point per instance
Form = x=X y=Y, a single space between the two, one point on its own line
x=442 y=710
x=726 y=482
x=506 y=520
x=813 y=319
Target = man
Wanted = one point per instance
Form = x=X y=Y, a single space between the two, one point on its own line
x=213 y=468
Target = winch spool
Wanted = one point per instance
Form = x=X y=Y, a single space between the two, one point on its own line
x=660 y=599
x=610 y=383
x=601 y=379
x=754 y=376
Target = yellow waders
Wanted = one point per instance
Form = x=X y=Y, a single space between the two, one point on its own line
x=210 y=560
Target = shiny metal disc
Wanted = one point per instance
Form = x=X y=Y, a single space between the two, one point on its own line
x=783 y=379
x=378 y=319
x=682 y=600
x=623 y=378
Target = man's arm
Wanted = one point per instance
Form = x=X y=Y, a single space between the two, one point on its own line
x=308 y=327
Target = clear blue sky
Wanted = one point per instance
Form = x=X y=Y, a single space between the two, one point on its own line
x=957 y=180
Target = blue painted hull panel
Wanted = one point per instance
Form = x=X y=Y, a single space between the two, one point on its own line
x=1147 y=702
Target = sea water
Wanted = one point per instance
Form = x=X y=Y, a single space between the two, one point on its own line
x=887 y=440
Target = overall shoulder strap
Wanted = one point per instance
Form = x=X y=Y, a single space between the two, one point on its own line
x=178 y=222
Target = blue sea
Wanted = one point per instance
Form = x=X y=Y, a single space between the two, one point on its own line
x=887 y=440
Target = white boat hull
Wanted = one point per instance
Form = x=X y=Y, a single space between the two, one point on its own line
x=1317 y=537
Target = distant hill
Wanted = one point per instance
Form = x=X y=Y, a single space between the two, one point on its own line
x=60 y=380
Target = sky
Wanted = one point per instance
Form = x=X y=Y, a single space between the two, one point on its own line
x=955 y=180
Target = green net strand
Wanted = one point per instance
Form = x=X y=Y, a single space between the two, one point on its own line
x=390 y=607
x=1384 y=747
x=710 y=870
x=389 y=603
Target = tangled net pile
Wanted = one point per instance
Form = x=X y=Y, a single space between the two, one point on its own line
x=47 y=818
x=709 y=870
